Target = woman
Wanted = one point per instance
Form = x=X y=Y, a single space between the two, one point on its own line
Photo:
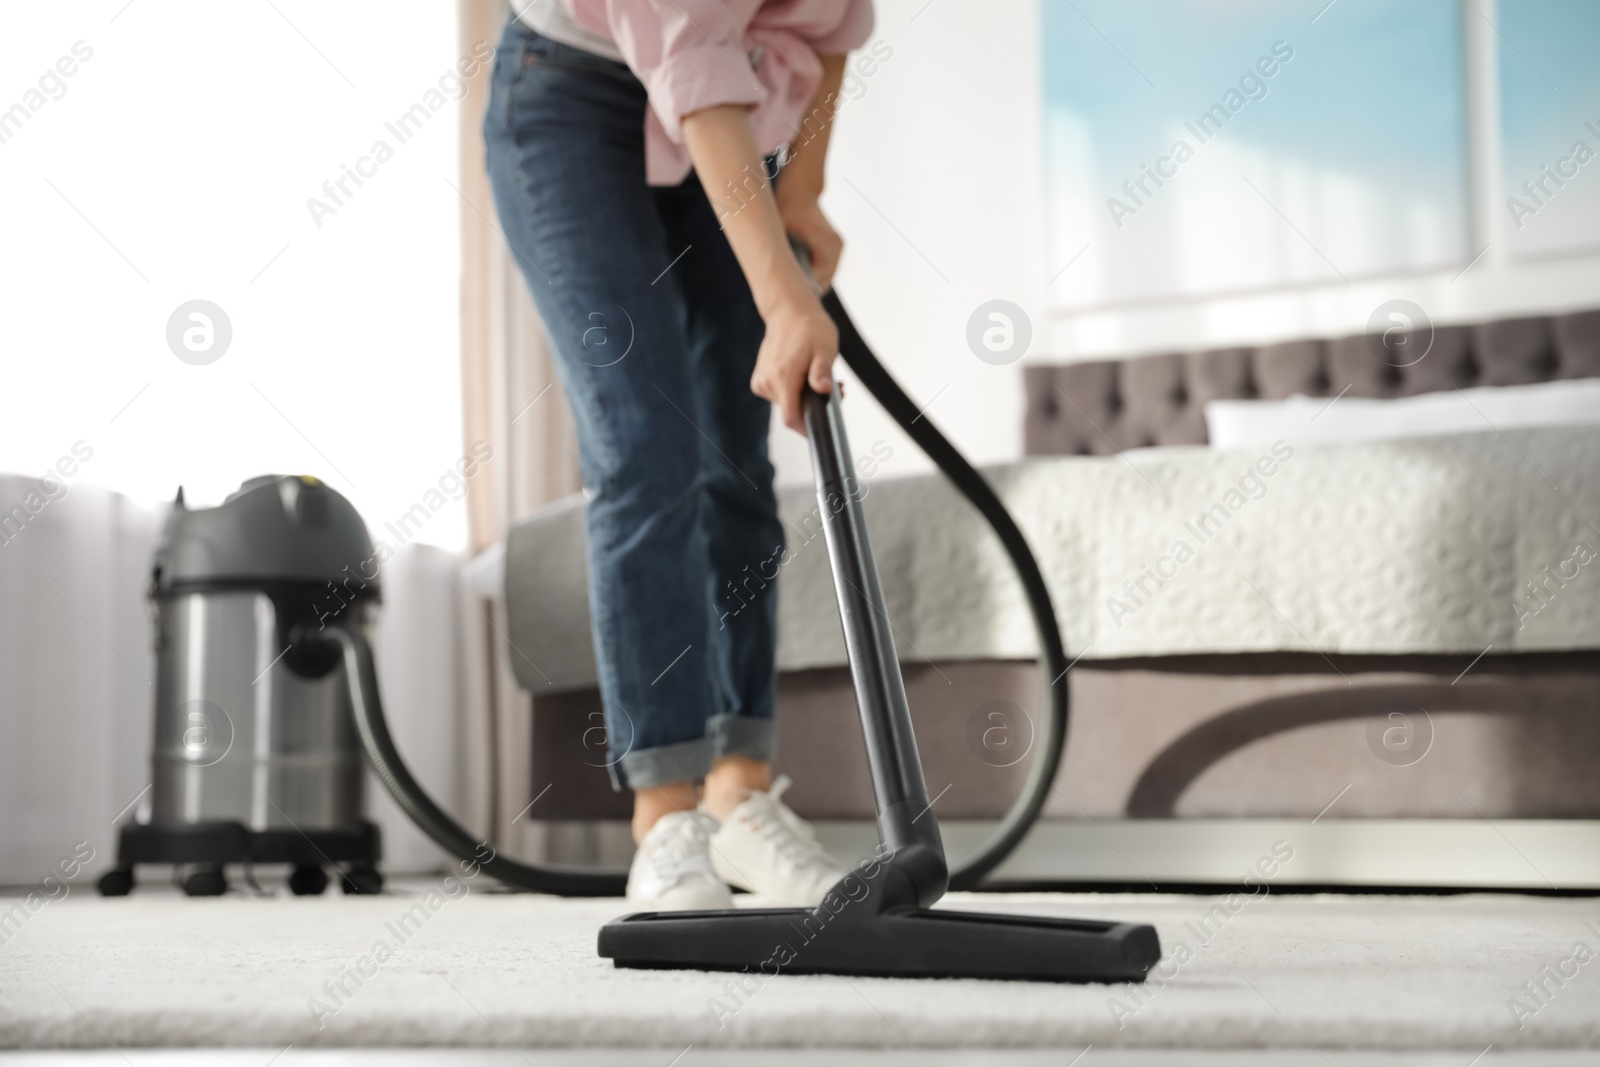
x=630 y=149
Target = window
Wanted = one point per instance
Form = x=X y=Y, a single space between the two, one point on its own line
x=289 y=163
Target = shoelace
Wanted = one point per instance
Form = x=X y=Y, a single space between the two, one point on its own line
x=667 y=855
x=799 y=826
x=780 y=827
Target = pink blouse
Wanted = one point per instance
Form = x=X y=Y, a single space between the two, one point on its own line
x=695 y=54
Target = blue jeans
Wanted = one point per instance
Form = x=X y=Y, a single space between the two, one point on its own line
x=655 y=336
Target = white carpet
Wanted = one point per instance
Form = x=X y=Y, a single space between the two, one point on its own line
x=1294 y=972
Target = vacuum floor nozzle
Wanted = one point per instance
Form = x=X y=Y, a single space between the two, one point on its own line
x=914 y=943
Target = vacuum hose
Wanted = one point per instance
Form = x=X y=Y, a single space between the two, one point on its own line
x=573 y=881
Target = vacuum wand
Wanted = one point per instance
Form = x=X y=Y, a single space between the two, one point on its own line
x=906 y=824
x=897 y=783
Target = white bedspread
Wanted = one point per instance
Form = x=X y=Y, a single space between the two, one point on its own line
x=1422 y=545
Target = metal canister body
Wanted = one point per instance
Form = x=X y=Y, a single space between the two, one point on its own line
x=256 y=759
x=243 y=732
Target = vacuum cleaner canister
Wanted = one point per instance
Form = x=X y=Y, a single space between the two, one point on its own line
x=256 y=758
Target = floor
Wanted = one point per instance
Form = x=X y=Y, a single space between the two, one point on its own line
x=513 y=979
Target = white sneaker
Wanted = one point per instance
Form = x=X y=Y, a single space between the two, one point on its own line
x=672 y=868
x=765 y=848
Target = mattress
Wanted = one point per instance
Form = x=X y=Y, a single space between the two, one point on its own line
x=1456 y=544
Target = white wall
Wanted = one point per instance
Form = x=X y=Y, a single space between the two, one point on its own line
x=941 y=156
x=935 y=183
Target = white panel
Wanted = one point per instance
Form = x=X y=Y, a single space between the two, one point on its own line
x=414 y=644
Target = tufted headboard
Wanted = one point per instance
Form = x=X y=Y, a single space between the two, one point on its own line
x=1103 y=407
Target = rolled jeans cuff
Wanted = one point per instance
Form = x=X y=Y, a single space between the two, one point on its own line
x=743 y=735
x=681 y=761
x=688 y=761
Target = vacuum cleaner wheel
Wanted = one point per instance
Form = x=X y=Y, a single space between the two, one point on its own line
x=117 y=882
x=307 y=880
x=204 y=880
x=362 y=880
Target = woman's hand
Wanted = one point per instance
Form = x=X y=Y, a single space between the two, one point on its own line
x=801 y=340
x=798 y=350
x=803 y=219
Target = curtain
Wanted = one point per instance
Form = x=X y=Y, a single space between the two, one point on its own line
x=513 y=400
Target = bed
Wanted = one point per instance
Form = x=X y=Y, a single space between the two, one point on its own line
x=1338 y=659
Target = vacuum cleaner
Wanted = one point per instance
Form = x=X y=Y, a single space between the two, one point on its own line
x=271 y=569
x=256 y=758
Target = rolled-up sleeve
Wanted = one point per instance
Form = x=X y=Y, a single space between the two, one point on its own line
x=689 y=55
x=851 y=33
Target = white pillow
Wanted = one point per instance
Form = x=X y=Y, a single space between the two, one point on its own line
x=1313 y=420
